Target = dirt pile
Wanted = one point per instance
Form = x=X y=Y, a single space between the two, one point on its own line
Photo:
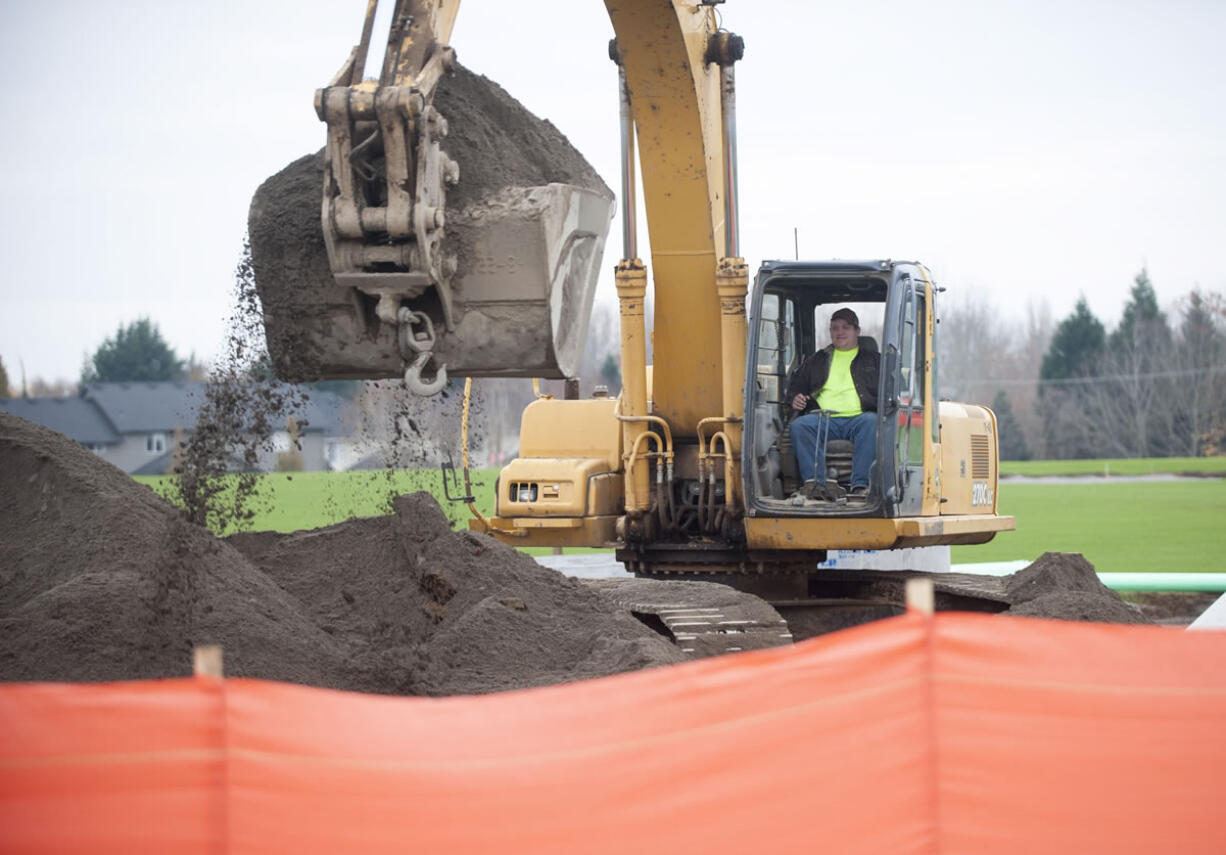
x=1064 y=585
x=497 y=144
x=100 y=579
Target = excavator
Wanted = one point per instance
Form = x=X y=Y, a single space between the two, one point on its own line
x=689 y=473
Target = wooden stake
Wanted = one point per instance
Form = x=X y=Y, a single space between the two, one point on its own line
x=921 y=595
x=206 y=661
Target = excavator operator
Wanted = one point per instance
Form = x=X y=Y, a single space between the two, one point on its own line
x=834 y=396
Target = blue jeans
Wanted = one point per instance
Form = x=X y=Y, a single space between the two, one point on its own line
x=808 y=439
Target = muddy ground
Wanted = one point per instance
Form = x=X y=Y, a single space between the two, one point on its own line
x=101 y=579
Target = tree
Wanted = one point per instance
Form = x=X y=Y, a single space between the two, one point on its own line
x=40 y=388
x=603 y=342
x=195 y=369
x=4 y=381
x=1009 y=433
x=1074 y=353
x=1141 y=319
x=1133 y=400
x=1075 y=346
x=1198 y=389
x=611 y=374
x=975 y=341
x=137 y=353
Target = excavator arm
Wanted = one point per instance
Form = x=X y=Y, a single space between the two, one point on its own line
x=386 y=177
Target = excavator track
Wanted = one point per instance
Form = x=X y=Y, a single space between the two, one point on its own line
x=701 y=618
x=708 y=618
x=838 y=599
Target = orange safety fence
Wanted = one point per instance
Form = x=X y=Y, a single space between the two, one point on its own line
x=946 y=734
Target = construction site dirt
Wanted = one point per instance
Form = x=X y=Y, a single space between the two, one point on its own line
x=101 y=579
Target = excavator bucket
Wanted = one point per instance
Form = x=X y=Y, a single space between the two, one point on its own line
x=527 y=260
x=458 y=233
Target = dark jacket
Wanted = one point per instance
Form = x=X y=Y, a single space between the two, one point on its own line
x=813 y=372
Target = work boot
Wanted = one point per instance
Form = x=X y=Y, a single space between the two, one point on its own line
x=805 y=492
x=830 y=492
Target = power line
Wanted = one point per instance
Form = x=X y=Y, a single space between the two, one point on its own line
x=1099 y=378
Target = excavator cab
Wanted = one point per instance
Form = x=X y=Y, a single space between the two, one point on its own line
x=791 y=305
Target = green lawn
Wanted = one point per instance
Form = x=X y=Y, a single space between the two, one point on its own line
x=1122 y=466
x=1119 y=526
x=302 y=500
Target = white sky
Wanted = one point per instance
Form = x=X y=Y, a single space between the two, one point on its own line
x=1026 y=150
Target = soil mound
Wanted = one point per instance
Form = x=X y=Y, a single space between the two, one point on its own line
x=1063 y=585
x=425 y=610
x=100 y=579
x=1078 y=605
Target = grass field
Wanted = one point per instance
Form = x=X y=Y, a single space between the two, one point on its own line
x=301 y=500
x=1134 y=466
x=1119 y=526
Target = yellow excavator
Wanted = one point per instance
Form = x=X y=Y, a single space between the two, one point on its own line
x=689 y=472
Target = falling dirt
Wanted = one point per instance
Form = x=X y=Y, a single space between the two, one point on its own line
x=243 y=406
x=100 y=579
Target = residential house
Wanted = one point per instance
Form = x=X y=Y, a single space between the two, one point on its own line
x=134 y=425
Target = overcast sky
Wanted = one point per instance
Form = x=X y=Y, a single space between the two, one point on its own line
x=1028 y=151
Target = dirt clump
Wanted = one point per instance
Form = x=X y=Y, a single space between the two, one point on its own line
x=100 y=579
x=1064 y=585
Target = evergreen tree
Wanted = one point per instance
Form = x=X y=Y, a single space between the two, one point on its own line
x=1142 y=325
x=1198 y=396
x=1011 y=442
x=1076 y=349
x=611 y=374
x=1075 y=346
x=137 y=353
x=1134 y=402
x=4 y=381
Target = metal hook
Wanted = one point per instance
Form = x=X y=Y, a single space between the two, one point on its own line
x=410 y=339
x=412 y=377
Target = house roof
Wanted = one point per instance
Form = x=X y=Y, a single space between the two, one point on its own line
x=78 y=419
x=143 y=407
x=104 y=411
x=159 y=465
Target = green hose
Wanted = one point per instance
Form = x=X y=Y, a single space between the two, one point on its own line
x=1143 y=581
